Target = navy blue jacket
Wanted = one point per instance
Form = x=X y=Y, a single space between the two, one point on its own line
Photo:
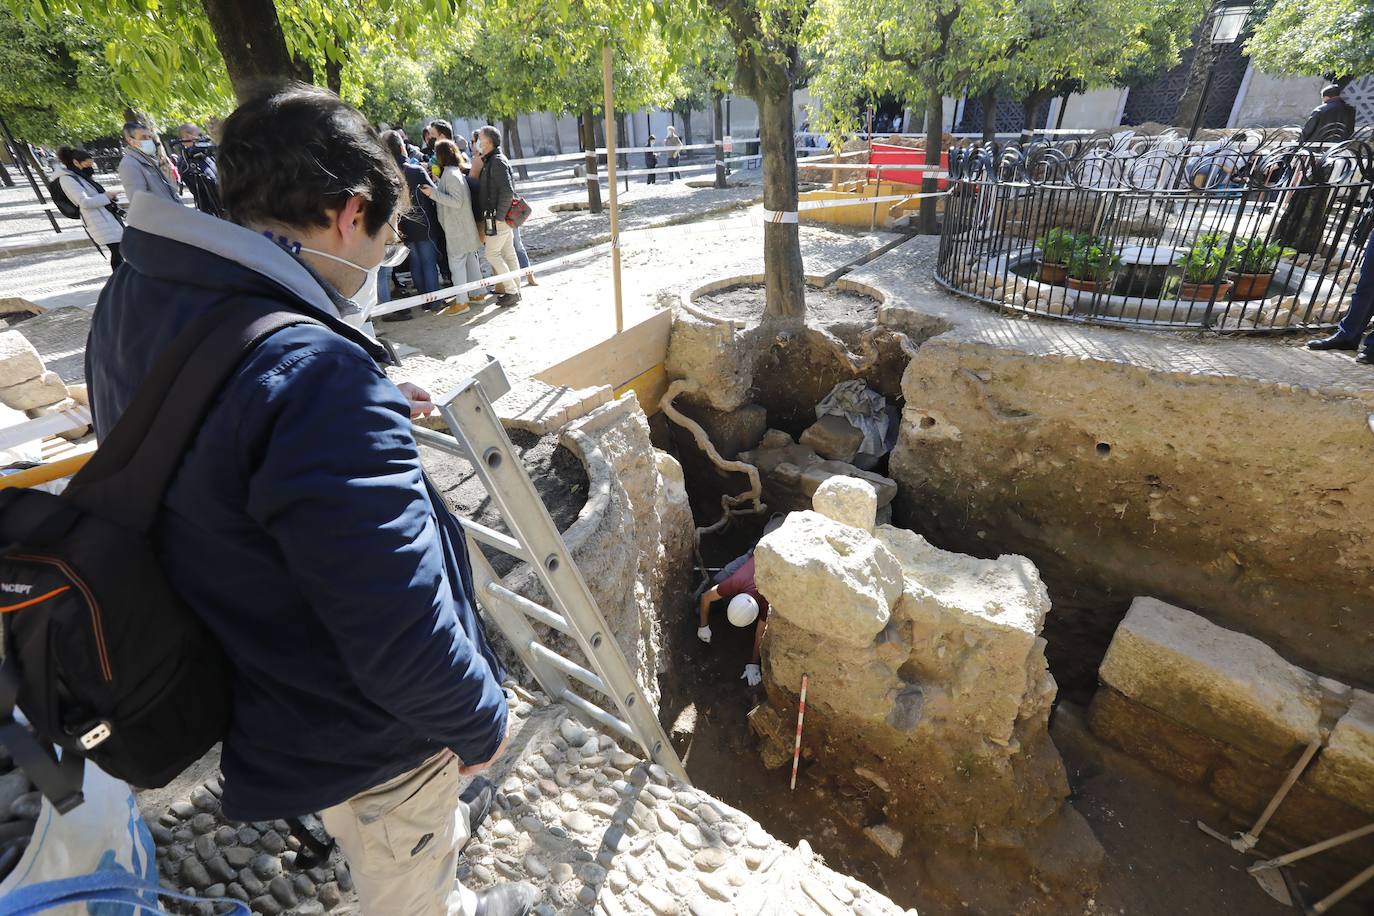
x=301 y=528
x=421 y=221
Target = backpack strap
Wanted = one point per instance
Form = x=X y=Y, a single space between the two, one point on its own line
x=60 y=781
x=130 y=471
x=105 y=886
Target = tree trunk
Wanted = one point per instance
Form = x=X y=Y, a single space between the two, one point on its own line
x=686 y=116
x=517 y=147
x=557 y=139
x=1030 y=110
x=333 y=76
x=1191 y=96
x=588 y=130
x=622 y=140
x=717 y=126
x=989 y=102
x=250 y=39
x=784 y=274
x=935 y=135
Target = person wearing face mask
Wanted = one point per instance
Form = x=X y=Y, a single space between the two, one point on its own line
x=419 y=224
x=300 y=526
x=99 y=214
x=495 y=190
x=139 y=170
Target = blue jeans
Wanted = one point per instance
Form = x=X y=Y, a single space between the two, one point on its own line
x=384 y=284
x=1356 y=320
x=520 y=254
x=424 y=265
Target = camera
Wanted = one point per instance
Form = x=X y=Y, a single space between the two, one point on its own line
x=195 y=161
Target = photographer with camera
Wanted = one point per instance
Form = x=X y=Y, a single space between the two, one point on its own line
x=101 y=216
x=194 y=156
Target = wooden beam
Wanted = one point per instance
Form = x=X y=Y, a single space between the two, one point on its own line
x=617 y=361
x=649 y=387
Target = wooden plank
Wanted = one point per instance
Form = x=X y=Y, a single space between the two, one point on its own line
x=44 y=473
x=649 y=387
x=617 y=361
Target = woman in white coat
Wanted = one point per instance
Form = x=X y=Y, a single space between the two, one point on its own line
x=454 y=200
x=77 y=179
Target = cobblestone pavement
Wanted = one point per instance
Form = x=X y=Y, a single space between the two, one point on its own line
x=593 y=827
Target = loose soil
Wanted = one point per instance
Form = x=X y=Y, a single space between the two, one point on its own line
x=823 y=306
x=1157 y=862
x=558 y=475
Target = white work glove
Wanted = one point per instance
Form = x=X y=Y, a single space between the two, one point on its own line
x=752 y=675
x=704 y=634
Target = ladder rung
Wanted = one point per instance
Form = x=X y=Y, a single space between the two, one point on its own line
x=502 y=542
x=530 y=608
x=597 y=714
x=570 y=668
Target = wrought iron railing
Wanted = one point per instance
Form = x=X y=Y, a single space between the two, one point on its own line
x=1253 y=231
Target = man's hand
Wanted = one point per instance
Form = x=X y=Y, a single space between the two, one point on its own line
x=752 y=675
x=427 y=190
x=475 y=768
x=704 y=634
x=421 y=405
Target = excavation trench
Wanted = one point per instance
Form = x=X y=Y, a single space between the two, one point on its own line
x=747 y=376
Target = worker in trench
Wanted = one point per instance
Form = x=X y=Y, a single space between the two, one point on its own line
x=746 y=607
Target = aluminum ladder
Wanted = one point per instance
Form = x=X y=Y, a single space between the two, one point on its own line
x=479 y=438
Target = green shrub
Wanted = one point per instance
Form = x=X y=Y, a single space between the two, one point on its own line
x=1254 y=256
x=1094 y=260
x=1208 y=259
x=1056 y=245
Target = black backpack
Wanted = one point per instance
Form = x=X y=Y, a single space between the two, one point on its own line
x=61 y=201
x=104 y=659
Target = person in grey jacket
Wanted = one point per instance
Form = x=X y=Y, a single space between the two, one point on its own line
x=495 y=190
x=139 y=168
x=98 y=211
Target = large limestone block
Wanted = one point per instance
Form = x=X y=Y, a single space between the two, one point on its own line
x=975 y=631
x=712 y=354
x=833 y=437
x=827 y=578
x=19 y=361
x=1345 y=768
x=815 y=475
x=1221 y=683
x=42 y=391
x=849 y=501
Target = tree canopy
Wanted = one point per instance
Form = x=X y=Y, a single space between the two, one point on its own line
x=1334 y=38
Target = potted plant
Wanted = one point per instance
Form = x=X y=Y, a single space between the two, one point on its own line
x=1055 y=248
x=1090 y=264
x=1204 y=267
x=1255 y=262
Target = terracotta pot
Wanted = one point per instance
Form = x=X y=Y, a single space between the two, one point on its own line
x=1202 y=292
x=1087 y=286
x=1251 y=286
x=1053 y=273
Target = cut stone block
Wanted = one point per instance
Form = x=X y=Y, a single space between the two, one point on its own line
x=42 y=391
x=834 y=438
x=79 y=394
x=849 y=501
x=69 y=404
x=19 y=361
x=1221 y=683
x=536 y=407
x=828 y=578
x=1345 y=767
x=817 y=474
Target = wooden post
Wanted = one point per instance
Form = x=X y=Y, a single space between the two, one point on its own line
x=615 y=195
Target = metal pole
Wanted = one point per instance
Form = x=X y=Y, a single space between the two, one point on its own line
x=1206 y=89
x=21 y=159
x=615 y=197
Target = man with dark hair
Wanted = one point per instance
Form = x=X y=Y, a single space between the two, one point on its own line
x=195 y=160
x=1330 y=122
x=139 y=169
x=442 y=129
x=418 y=224
x=300 y=527
x=495 y=191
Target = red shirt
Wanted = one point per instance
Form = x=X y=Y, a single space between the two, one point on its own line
x=741 y=582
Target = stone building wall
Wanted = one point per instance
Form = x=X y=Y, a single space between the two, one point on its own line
x=1244 y=499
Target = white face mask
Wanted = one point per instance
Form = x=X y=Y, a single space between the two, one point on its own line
x=369 y=273
x=147 y=146
x=368 y=288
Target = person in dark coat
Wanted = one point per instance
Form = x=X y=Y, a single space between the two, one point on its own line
x=1330 y=122
x=651 y=161
x=300 y=526
x=417 y=225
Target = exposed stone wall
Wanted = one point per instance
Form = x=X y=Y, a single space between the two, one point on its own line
x=1223 y=711
x=927 y=677
x=1235 y=497
x=27 y=384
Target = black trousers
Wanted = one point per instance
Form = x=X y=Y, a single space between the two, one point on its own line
x=115 y=259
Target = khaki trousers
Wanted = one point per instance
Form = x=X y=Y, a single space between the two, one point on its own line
x=501 y=254
x=402 y=839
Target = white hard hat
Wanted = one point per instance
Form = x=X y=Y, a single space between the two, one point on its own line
x=742 y=610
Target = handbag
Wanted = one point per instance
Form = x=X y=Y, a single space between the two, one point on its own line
x=517 y=213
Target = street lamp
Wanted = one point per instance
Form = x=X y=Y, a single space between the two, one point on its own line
x=1227 y=24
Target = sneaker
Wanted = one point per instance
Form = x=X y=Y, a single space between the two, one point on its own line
x=475 y=298
x=1365 y=357
x=455 y=307
x=508 y=299
x=402 y=315
x=506 y=900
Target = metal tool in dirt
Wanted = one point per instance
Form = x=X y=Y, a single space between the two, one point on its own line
x=1277 y=880
x=478 y=437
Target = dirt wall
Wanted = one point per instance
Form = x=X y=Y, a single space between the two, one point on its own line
x=1248 y=502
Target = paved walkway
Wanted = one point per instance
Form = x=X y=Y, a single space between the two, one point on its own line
x=594 y=828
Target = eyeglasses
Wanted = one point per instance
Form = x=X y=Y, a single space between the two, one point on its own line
x=393 y=225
